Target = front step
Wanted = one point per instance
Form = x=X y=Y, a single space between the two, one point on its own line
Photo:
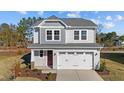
x=49 y=71
x=42 y=67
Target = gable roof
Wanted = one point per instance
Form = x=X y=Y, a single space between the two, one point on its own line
x=70 y=21
x=52 y=17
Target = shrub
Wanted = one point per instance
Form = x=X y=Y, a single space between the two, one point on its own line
x=2 y=77
x=35 y=70
x=20 y=52
x=23 y=66
x=49 y=76
x=17 y=69
x=102 y=67
x=113 y=49
x=28 y=65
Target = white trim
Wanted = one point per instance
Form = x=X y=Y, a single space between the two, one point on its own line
x=82 y=26
x=53 y=34
x=68 y=27
x=66 y=48
x=54 y=27
x=53 y=20
x=80 y=34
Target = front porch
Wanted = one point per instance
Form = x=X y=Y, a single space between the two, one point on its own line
x=41 y=59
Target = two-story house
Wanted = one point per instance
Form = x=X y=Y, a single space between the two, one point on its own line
x=65 y=43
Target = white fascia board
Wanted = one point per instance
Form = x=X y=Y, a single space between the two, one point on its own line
x=53 y=20
x=67 y=48
x=82 y=26
x=51 y=27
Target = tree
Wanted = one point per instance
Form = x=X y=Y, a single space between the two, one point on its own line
x=121 y=38
x=21 y=34
x=109 y=38
x=6 y=32
x=27 y=23
x=12 y=35
x=98 y=34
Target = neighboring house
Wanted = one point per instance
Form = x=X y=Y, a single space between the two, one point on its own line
x=122 y=43
x=65 y=43
x=118 y=42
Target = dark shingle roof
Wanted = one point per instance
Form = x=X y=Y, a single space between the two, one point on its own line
x=78 y=22
x=54 y=46
x=52 y=17
x=71 y=21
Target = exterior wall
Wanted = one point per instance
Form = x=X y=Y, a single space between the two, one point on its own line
x=91 y=37
x=36 y=37
x=38 y=61
x=42 y=61
x=67 y=34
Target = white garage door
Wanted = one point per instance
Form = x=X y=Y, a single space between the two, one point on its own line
x=75 y=60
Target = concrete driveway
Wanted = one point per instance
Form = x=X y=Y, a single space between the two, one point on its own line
x=78 y=75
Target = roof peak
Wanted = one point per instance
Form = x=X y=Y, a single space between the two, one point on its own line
x=52 y=17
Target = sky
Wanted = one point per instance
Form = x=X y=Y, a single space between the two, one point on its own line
x=111 y=20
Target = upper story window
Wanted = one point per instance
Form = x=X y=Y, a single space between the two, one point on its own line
x=76 y=35
x=80 y=35
x=53 y=35
x=83 y=35
x=49 y=34
x=56 y=34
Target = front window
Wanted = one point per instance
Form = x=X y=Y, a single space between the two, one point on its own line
x=83 y=35
x=41 y=53
x=36 y=53
x=76 y=35
x=49 y=34
x=53 y=35
x=56 y=34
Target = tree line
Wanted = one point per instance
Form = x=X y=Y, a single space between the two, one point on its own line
x=17 y=35
x=107 y=39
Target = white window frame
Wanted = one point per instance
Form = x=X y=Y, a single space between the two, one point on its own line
x=46 y=34
x=80 y=34
x=53 y=39
x=76 y=35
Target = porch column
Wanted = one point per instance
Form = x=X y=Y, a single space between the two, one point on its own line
x=32 y=59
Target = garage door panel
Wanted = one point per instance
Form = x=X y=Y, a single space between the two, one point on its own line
x=75 y=61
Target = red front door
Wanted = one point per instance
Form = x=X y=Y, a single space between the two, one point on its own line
x=50 y=58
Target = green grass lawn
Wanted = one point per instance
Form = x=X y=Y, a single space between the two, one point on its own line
x=115 y=64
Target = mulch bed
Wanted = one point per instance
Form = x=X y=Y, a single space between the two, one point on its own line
x=106 y=72
x=26 y=72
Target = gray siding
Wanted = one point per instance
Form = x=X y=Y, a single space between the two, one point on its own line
x=66 y=33
x=43 y=37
